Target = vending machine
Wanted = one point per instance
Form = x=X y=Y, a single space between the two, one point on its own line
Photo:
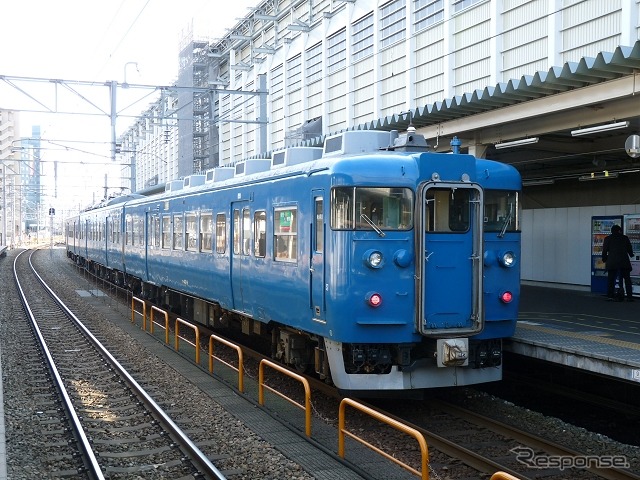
x=631 y=228
x=600 y=228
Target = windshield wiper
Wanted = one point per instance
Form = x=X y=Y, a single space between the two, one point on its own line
x=372 y=225
x=506 y=223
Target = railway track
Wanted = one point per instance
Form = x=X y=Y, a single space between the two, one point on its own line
x=117 y=429
x=490 y=445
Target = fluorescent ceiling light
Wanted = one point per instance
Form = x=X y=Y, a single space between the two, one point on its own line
x=515 y=143
x=541 y=181
x=599 y=128
x=598 y=176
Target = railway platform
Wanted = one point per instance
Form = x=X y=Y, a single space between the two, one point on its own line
x=580 y=329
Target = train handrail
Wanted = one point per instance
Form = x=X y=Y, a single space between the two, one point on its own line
x=503 y=476
x=133 y=309
x=295 y=376
x=166 y=322
x=240 y=368
x=342 y=431
x=195 y=344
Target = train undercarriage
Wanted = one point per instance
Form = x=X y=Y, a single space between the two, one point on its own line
x=299 y=350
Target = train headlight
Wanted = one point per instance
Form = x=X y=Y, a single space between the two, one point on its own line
x=373 y=258
x=374 y=299
x=506 y=297
x=507 y=259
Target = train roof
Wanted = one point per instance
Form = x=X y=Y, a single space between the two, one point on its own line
x=298 y=160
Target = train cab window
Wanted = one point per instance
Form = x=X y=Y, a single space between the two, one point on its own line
x=206 y=231
x=371 y=208
x=178 y=232
x=285 y=234
x=448 y=209
x=166 y=231
x=260 y=233
x=501 y=211
x=191 y=232
x=246 y=231
x=221 y=233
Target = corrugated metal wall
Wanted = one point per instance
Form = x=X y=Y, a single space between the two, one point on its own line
x=403 y=54
x=561 y=237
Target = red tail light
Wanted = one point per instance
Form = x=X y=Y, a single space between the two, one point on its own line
x=374 y=299
x=506 y=297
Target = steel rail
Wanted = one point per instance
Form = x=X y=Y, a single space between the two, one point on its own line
x=195 y=454
x=90 y=461
x=533 y=441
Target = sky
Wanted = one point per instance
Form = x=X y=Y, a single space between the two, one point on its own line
x=99 y=41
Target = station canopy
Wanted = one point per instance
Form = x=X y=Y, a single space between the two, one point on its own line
x=567 y=122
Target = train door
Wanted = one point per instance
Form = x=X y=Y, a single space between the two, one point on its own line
x=240 y=251
x=149 y=235
x=109 y=234
x=85 y=239
x=450 y=279
x=317 y=279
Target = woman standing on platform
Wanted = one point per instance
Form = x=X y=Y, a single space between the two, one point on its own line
x=616 y=251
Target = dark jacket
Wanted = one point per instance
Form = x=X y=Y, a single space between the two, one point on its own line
x=616 y=251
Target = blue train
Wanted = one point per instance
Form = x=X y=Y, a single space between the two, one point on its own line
x=384 y=267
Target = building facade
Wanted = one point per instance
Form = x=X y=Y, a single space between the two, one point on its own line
x=10 y=223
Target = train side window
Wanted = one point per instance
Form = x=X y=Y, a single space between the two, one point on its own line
x=191 y=232
x=260 y=233
x=319 y=225
x=285 y=234
x=118 y=227
x=128 y=227
x=221 y=233
x=206 y=231
x=140 y=231
x=178 y=232
x=157 y=233
x=151 y=232
x=166 y=231
x=236 y=232
x=246 y=231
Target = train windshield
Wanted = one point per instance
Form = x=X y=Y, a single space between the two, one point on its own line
x=371 y=208
x=501 y=211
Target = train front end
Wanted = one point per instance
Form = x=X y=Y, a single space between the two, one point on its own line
x=438 y=300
